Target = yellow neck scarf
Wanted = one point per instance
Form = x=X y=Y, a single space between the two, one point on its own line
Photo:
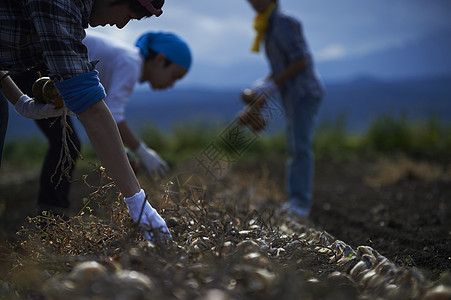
x=261 y=24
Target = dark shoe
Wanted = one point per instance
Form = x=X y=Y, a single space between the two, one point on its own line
x=296 y=210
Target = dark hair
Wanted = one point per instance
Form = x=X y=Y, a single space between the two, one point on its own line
x=136 y=7
x=153 y=54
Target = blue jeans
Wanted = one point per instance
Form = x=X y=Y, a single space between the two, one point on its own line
x=301 y=121
x=4 y=116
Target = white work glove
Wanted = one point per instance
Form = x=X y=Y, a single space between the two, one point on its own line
x=265 y=87
x=152 y=162
x=29 y=108
x=147 y=217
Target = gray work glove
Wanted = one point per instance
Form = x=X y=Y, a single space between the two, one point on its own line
x=154 y=165
x=31 y=109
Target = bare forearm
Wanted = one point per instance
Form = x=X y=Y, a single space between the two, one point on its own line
x=294 y=68
x=104 y=136
x=10 y=89
x=128 y=137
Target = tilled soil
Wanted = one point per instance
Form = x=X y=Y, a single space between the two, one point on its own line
x=405 y=219
x=408 y=221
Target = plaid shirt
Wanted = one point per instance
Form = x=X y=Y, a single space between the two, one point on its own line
x=49 y=31
x=284 y=42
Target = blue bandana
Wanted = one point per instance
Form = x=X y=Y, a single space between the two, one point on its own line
x=175 y=49
x=81 y=91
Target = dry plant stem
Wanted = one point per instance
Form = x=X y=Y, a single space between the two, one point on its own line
x=101 y=190
x=104 y=136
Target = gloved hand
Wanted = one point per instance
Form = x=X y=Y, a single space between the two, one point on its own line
x=29 y=108
x=265 y=87
x=147 y=217
x=152 y=162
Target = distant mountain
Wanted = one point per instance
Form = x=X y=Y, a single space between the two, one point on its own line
x=364 y=99
x=360 y=100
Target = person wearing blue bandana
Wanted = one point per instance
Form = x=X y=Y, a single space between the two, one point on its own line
x=158 y=58
x=45 y=37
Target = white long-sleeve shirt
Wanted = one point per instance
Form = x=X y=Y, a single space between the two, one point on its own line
x=119 y=66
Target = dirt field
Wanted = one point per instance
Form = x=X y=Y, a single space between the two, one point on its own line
x=399 y=207
x=408 y=221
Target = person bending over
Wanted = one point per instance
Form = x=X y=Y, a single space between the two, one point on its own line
x=37 y=33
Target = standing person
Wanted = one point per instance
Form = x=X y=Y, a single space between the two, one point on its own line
x=34 y=33
x=294 y=77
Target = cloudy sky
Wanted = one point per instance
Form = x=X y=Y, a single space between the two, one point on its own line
x=220 y=32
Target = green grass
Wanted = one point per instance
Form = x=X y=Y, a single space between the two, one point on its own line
x=429 y=138
x=385 y=135
x=25 y=152
x=30 y=152
x=333 y=141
